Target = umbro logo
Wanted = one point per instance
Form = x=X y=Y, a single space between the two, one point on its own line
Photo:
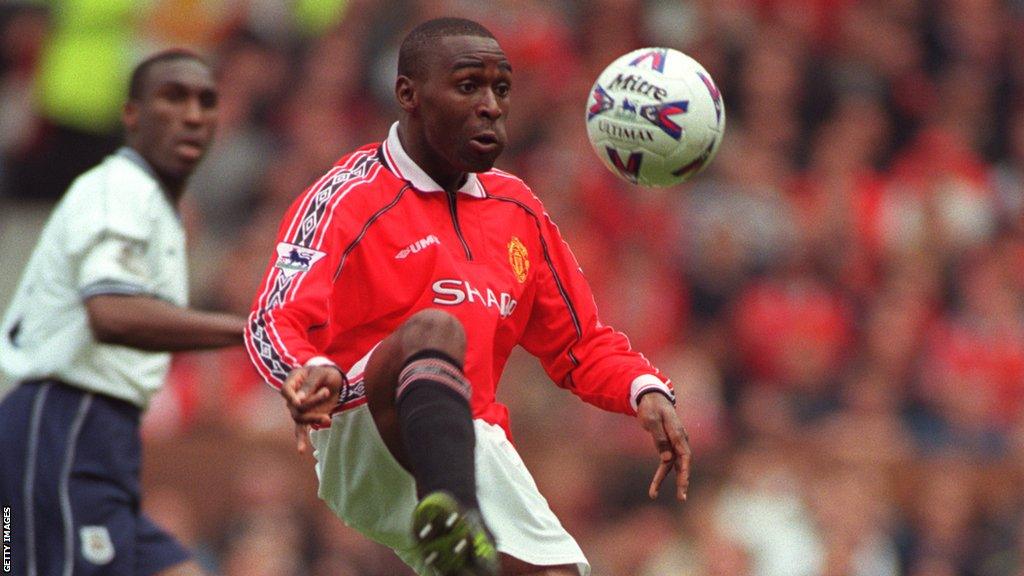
x=417 y=246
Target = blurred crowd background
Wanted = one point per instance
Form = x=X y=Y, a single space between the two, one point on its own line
x=839 y=299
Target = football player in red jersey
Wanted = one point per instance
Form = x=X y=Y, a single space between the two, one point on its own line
x=402 y=280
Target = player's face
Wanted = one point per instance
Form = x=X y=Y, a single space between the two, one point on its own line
x=464 y=101
x=174 y=120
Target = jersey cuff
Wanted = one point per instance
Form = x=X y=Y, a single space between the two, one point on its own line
x=320 y=361
x=324 y=361
x=648 y=383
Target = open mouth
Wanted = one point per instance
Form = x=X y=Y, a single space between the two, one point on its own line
x=486 y=138
x=485 y=142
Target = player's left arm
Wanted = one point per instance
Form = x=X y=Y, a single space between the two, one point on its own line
x=596 y=362
x=657 y=414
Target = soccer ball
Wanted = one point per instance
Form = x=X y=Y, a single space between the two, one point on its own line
x=655 y=117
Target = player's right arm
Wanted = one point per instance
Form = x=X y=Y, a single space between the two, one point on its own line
x=297 y=293
x=124 y=280
x=290 y=324
x=147 y=323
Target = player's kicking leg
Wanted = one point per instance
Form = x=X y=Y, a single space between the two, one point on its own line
x=451 y=538
x=419 y=399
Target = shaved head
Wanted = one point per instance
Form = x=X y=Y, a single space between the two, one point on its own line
x=141 y=73
x=423 y=39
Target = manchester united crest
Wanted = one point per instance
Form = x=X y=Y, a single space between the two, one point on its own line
x=519 y=259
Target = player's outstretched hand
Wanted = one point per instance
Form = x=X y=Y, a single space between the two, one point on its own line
x=310 y=393
x=658 y=416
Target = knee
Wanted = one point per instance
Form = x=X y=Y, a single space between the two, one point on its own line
x=435 y=329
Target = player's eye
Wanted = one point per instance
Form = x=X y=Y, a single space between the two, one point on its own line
x=208 y=99
x=174 y=93
x=502 y=90
x=466 y=87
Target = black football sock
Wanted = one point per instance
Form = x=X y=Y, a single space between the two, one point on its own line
x=437 y=426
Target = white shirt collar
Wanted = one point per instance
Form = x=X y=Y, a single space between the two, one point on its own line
x=133 y=156
x=405 y=168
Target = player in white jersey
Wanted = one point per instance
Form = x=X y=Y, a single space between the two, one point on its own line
x=88 y=335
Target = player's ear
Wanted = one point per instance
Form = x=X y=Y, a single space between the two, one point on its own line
x=405 y=93
x=130 y=115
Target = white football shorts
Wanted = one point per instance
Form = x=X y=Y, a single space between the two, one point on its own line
x=370 y=491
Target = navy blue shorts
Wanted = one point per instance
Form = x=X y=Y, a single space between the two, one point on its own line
x=69 y=473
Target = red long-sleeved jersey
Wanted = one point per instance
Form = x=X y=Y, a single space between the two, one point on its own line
x=375 y=240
